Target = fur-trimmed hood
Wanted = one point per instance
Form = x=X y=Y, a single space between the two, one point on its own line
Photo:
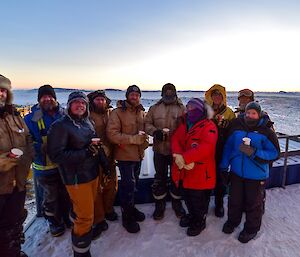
x=6 y=84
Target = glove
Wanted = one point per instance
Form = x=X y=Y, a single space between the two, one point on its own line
x=189 y=166
x=104 y=161
x=137 y=139
x=92 y=150
x=179 y=160
x=158 y=135
x=225 y=177
x=224 y=123
x=247 y=149
x=7 y=163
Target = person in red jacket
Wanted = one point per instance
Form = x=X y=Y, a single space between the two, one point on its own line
x=193 y=148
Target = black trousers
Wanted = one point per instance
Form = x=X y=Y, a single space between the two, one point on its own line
x=162 y=182
x=197 y=202
x=220 y=191
x=246 y=195
x=12 y=216
x=130 y=171
x=56 y=202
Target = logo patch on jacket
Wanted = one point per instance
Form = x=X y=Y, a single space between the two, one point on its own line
x=194 y=145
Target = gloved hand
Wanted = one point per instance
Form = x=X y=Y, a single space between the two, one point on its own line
x=137 y=139
x=189 y=166
x=179 y=160
x=224 y=123
x=7 y=163
x=247 y=149
x=158 y=135
x=92 y=150
x=225 y=177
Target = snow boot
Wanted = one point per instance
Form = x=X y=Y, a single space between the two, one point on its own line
x=228 y=228
x=177 y=207
x=186 y=221
x=56 y=228
x=82 y=244
x=219 y=211
x=196 y=228
x=245 y=237
x=138 y=215
x=98 y=229
x=113 y=216
x=160 y=206
x=128 y=220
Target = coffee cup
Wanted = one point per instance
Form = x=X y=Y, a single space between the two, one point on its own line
x=15 y=153
x=246 y=140
x=96 y=141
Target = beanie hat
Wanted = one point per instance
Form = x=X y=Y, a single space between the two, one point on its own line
x=46 y=90
x=6 y=84
x=91 y=96
x=166 y=87
x=198 y=111
x=254 y=106
x=131 y=89
x=77 y=95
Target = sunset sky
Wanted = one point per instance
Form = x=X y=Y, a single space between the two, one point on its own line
x=112 y=44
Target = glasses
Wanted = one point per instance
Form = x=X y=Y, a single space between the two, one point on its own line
x=245 y=92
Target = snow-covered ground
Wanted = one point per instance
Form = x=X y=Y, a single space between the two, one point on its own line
x=279 y=235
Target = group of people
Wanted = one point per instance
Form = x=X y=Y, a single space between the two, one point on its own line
x=200 y=147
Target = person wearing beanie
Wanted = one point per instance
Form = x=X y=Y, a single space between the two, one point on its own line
x=245 y=96
x=254 y=145
x=126 y=130
x=71 y=146
x=194 y=169
x=14 y=172
x=53 y=203
x=160 y=122
x=100 y=110
x=223 y=115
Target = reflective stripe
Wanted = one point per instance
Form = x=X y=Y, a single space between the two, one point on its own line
x=81 y=250
x=175 y=196
x=49 y=214
x=159 y=197
x=42 y=167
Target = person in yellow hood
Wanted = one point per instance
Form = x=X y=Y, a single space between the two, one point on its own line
x=216 y=98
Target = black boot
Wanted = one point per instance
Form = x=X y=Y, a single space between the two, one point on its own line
x=245 y=237
x=160 y=206
x=98 y=229
x=113 y=216
x=219 y=211
x=22 y=254
x=81 y=244
x=128 y=220
x=177 y=207
x=138 y=215
x=56 y=229
x=186 y=221
x=228 y=228
x=196 y=227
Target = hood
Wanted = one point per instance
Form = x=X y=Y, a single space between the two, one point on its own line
x=209 y=92
x=6 y=84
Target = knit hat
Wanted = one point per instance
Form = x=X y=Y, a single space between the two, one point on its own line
x=246 y=92
x=166 y=87
x=46 y=90
x=254 y=106
x=131 y=89
x=198 y=110
x=91 y=96
x=6 y=84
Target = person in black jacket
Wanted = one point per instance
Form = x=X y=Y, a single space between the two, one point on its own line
x=70 y=145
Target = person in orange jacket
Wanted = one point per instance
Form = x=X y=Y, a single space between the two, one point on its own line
x=193 y=147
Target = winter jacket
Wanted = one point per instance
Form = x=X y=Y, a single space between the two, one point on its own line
x=38 y=123
x=124 y=122
x=67 y=146
x=196 y=145
x=266 y=150
x=222 y=118
x=161 y=116
x=14 y=134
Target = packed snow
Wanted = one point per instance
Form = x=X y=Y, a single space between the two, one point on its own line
x=279 y=235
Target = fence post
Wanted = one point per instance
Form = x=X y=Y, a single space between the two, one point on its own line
x=286 y=153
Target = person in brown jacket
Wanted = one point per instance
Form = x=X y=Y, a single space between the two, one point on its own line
x=125 y=129
x=16 y=154
x=160 y=122
x=100 y=110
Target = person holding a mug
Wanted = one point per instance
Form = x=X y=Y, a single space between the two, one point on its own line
x=250 y=147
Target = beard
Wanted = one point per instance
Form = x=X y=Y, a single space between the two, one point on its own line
x=49 y=105
x=99 y=109
x=134 y=103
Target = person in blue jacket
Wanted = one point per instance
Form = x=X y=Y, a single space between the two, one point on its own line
x=250 y=147
x=55 y=200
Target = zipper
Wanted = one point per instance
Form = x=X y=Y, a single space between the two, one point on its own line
x=243 y=156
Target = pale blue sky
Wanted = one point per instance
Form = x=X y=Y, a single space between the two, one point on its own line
x=101 y=44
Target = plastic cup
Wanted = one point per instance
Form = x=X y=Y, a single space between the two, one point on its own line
x=96 y=141
x=142 y=132
x=15 y=153
x=166 y=130
x=246 y=140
